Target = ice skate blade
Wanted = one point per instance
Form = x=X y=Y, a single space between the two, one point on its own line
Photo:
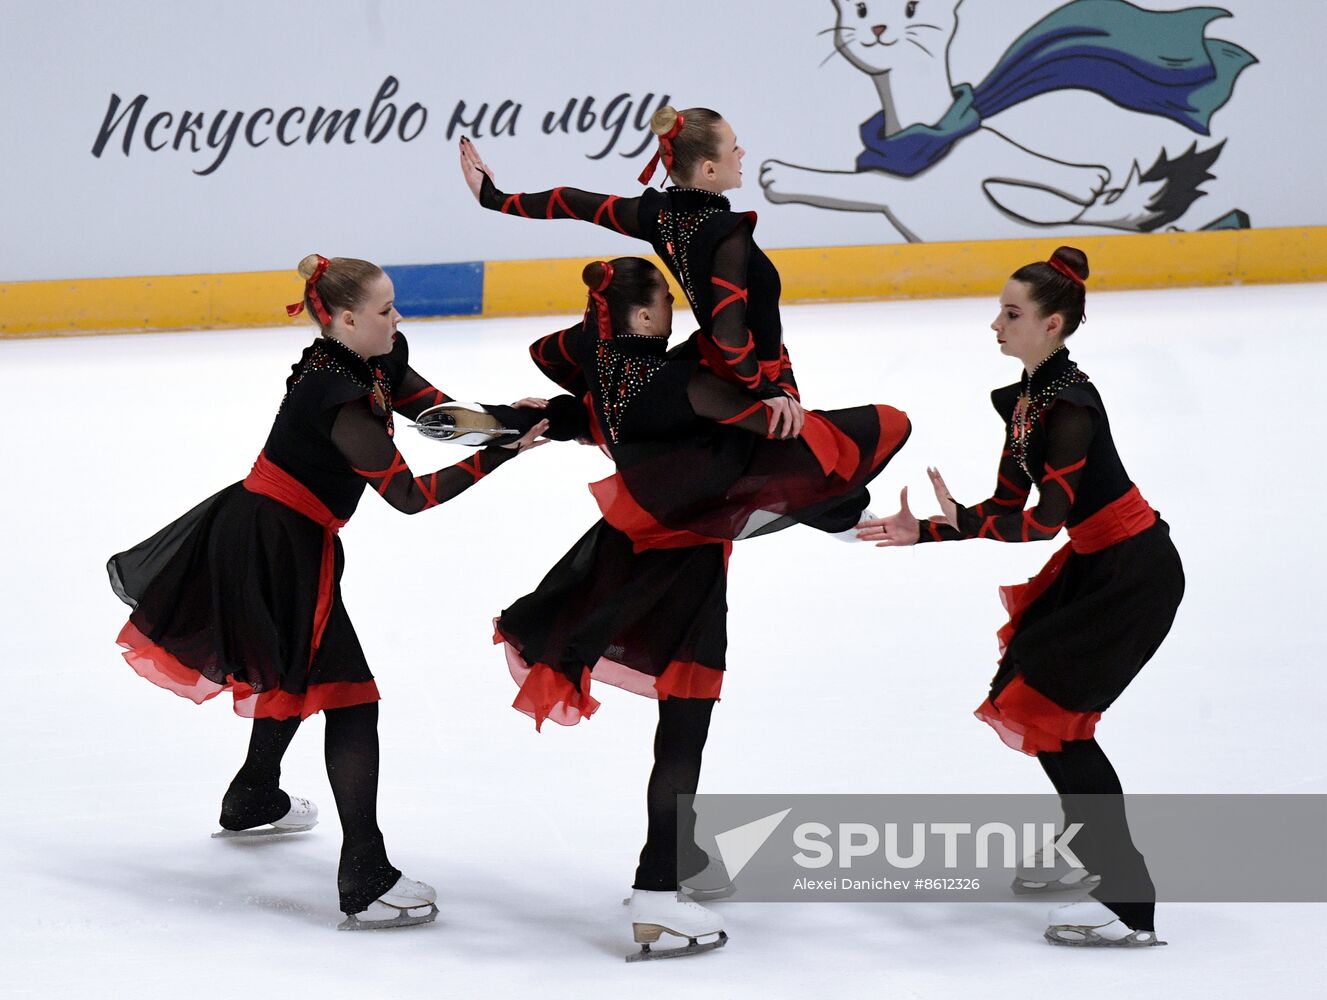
x=692 y=947
x=268 y=832
x=404 y=918
x=458 y=424
x=1027 y=887
x=1087 y=937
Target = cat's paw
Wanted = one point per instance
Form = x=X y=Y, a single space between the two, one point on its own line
x=780 y=181
x=1084 y=184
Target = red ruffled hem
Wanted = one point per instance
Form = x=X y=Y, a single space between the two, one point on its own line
x=156 y=664
x=546 y=693
x=1031 y=723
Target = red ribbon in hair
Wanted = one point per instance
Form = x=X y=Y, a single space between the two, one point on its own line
x=311 y=291
x=1066 y=270
x=665 y=150
x=598 y=302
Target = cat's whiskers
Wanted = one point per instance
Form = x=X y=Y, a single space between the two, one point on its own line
x=913 y=41
x=918 y=27
x=838 y=50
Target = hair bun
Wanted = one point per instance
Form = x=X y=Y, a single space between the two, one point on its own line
x=593 y=274
x=1074 y=259
x=663 y=120
x=308 y=266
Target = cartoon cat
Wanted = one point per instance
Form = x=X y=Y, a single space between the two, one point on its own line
x=935 y=167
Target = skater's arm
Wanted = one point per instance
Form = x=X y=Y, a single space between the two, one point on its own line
x=553 y=356
x=1068 y=429
x=415 y=394
x=606 y=210
x=786 y=380
x=362 y=439
x=729 y=328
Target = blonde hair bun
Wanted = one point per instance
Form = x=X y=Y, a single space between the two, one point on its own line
x=663 y=120
x=307 y=266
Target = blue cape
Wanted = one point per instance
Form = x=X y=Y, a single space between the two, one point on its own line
x=1153 y=62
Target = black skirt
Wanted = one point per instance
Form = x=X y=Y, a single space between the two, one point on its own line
x=653 y=622
x=225 y=599
x=1079 y=643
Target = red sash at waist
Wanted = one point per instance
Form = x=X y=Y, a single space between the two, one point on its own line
x=1117 y=521
x=269 y=480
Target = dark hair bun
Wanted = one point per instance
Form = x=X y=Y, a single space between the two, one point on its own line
x=1074 y=259
x=593 y=274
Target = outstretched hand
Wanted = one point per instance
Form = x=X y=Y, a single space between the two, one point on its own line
x=527 y=440
x=473 y=168
x=948 y=508
x=897 y=529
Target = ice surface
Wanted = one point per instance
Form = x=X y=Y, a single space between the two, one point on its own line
x=851 y=669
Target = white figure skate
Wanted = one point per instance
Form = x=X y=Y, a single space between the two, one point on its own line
x=462 y=423
x=712 y=882
x=300 y=818
x=403 y=905
x=1089 y=924
x=656 y=913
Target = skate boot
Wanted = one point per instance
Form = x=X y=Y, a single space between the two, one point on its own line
x=1089 y=924
x=850 y=534
x=300 y=817
x=463 y=423
x=712 y=882
x=403 y=905
x=657 y=913
x=1034 y=878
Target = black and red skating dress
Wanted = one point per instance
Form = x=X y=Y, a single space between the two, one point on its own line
x=242 y=593
x=640 y=601
x=732 y=286
x=1081 y=629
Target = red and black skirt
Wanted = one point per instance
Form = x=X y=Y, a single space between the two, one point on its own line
x=653 y=622
x=734 y=485
x=1082 y=629
x=242 y=594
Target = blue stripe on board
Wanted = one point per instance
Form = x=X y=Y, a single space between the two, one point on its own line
x=438 y=289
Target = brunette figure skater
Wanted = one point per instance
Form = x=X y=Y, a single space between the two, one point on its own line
x=1081 y=629
x=641 y=605
x=242 y=594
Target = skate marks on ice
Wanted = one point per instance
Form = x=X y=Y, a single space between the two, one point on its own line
x=936 y=169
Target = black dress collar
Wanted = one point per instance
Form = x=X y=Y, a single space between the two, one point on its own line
x=689 y=199
x=1048 y=371
x=638 y=345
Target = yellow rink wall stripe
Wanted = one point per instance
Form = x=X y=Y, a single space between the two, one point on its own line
x=531 y=287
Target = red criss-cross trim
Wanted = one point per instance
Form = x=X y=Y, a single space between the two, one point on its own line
x=1058 y=476
x=429 y=489
x=744 y=414
x=514 y=199
x=441 y=397
x=607 y=206
x=471 y=465
x=737 y=293
x=556 y=201
x=935 y=531
x=1045 y=530
x=989 y=526
x=386 y=475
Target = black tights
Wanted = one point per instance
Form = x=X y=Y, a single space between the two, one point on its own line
x=1091 y=794
x=351 y=751
x=679 y=742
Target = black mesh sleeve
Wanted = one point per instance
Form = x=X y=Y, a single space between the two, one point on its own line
x=608 y=210
x=1004 y=517
x=415 y=394
x=728 y=327
x=363 y=441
